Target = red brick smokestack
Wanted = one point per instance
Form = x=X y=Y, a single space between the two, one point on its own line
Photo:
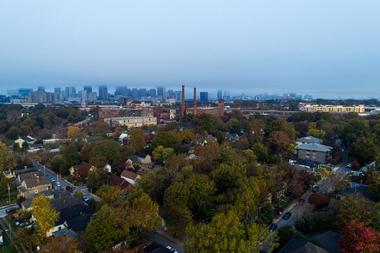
x=195 y=101
x=183 y=101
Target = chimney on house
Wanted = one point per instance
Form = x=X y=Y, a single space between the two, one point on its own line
x=183 y=101
x=195 y=101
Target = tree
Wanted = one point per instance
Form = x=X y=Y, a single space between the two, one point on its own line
x=374 y=183
x=96 y=178
x=44 y=214
x=70 y=155
x=226 y=234
x=103 y=231
x=136 y=142
x=354 y=209
x=357 y=238
x=160 y=153
x=319 y=200
x=60 y=245
x=110 y=195
x=142 y=213
x=73 y=132
x=106 y=149
x=26 y=238
x=7 y=161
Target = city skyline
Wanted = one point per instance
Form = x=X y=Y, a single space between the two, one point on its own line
x=252 y=46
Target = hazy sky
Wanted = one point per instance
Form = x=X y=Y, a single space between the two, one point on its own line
x=328 y=48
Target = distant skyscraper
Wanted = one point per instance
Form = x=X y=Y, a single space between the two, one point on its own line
x=203 y=96
x=24 y=92
x=41 y=88
x=57 y=90
x=220 y=94
x=121 y=91
x=70 y=92
x=152 y=93
x=87 y=88
x=103 y=92
x=160 y=92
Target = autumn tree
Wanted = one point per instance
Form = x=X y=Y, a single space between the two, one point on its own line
x=44 y=214
x=357 y=238
x=226 y=234
x=319 y=200
x=110 y=195
x=73 y=132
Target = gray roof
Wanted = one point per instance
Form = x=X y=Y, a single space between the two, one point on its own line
x=301 y=246
x=314 y=147
x=33 y=179
x=309 y=139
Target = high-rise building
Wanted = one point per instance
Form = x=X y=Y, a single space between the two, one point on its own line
x=70 y=92
x=220 y=94
x=152 y=93
x=103 y=92
x=121 y=91
x=41 y=88
x=161 y=92
x=203 y=95
x=24 y=92
x=87 y=88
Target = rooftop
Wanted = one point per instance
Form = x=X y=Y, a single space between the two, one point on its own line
x=314 y=147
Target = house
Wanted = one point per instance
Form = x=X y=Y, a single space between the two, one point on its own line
x=32 y=183
x=309 y=139
x=314 y=152
x=81 y=170
x=124 y=185
x=129 y=176
x=325 y=242
x=74 y=215
x=50 y=194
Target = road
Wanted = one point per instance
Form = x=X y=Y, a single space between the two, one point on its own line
x=3 y=209
x=326 y=185
x=164 y=239
x=55 y=178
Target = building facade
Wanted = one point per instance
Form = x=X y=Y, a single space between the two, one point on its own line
x=332 y=108
x=132 y=122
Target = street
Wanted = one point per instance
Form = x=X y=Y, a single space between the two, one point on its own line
x=326 y=185
x=55 y=179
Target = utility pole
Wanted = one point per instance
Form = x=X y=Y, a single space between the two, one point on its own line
x=9 y=194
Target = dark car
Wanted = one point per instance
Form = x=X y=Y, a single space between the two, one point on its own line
x=287 y=216
x=315 y=188
x=301 y=202
x=273 y=227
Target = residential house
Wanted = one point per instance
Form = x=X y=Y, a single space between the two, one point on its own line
x=81 y=171
x=325 y=242
x=32 y=183
x=123 y=184
x=129 y=176
x=74 y=215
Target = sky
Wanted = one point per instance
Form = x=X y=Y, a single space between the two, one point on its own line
x=325 y=48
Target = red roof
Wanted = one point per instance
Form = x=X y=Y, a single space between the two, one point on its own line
x=119 y=182
x=82 y=170
x=129 y=174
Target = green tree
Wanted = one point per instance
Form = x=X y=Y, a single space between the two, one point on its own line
x=226 y=234
x=103 y=231
x=110 y=195
x=374 y=183
x=44 y=214
x=136 y=142
x=106 y=149
x=160 y=153
x=7 y=161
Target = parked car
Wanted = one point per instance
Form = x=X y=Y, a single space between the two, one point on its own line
x=301 y=202
x=315 y=188
x=273 y=227
x=287 y=216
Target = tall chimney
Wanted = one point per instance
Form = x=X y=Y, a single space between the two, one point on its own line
x=183 y=101
x=195 y=101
